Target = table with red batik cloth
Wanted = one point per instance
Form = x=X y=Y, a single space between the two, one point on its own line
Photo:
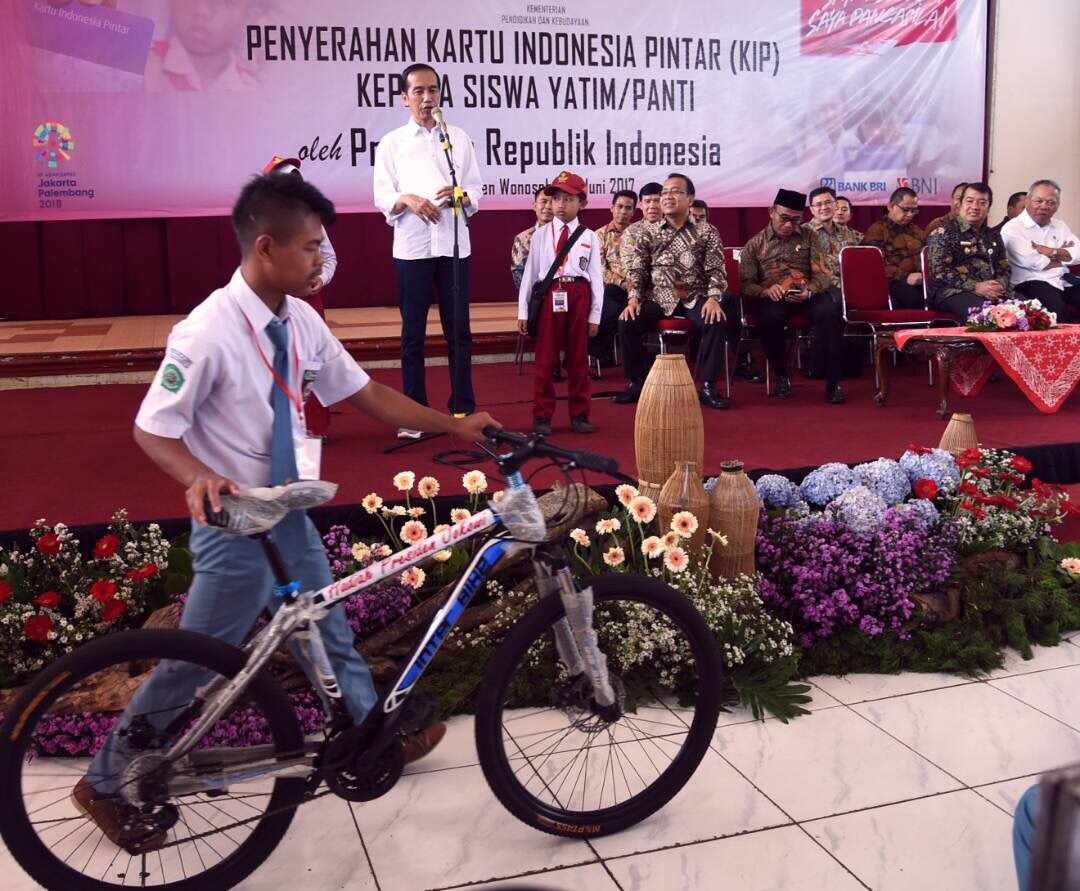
x=1044 y=364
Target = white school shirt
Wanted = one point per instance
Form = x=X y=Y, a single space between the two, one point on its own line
x=582 y=262
x=410 y=161
x=213 y=389
x=329 y=258
x=1027 y=263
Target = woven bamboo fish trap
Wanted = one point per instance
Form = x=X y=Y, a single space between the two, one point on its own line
x=733 y=512
x=684 y=491
x=959 y=435
x=668 y=427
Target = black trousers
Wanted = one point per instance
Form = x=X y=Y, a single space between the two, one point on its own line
x=419 y=282
x=615 y=300
x=1054 y=300
x=632 y=333
x=959 y=304
x=823 y=312
x=905 y=296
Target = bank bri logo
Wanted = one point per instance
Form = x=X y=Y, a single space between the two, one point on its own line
x=52 y=141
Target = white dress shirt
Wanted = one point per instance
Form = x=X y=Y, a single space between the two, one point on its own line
x=1026 y=262
x=213 y=389
x=410 y=161
x=582 y=262
x=329 y=259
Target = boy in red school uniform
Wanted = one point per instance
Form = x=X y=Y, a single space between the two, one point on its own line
x=571 y=308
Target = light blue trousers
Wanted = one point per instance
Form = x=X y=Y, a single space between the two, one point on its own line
x=233 y=583
x=1027 y=811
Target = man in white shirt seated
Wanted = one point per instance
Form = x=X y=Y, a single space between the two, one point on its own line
x=1041 y=249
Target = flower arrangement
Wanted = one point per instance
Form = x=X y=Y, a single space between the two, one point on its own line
x=1011 y=315
x=53 y=598
x=827 y=482
x=886 y=479
x=935 y=465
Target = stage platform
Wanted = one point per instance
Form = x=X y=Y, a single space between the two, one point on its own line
x=137 y=343
x=69 y=456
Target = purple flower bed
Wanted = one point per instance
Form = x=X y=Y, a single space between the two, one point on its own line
x=81 y=735
x=821 y=575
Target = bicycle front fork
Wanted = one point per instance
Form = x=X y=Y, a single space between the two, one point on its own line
x=575 y=637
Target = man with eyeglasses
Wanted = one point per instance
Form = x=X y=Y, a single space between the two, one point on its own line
x=834 y=237
x=1041 y=249
x=901 y=243
x=784 y=271
x=676 y=270
x=968 y=264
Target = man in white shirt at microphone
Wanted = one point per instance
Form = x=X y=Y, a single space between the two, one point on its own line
x=413 y=189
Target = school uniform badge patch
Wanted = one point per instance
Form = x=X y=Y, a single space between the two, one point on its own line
x=172 y=378
x=583 y=262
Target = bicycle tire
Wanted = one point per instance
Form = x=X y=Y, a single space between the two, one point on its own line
x=16 y=734
x=533 y=627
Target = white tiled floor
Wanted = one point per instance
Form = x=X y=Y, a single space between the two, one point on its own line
x=899 y=783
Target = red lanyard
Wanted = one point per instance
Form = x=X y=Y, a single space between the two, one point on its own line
x=294 y=398
x=566 y=259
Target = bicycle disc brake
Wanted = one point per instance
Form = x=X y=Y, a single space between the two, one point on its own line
x=573 y=696
x=356 y=775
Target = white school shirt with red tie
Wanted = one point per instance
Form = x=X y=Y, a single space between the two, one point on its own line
x=582 y=262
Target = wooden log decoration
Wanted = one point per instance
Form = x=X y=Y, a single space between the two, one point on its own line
x=734 y=510
x=959 y=435
x=683 y=490
x=668 y=426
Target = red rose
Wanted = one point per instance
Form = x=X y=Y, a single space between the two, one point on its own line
x=5 y=591
x=102 y=590
x=50 y=600
x=918 y=449
x=48 y=544
x=966 y=488
x=38 y=628
x=143 y=572
x=114 y=609
x=106 y=546
x=1020 y=463
x=926 y=489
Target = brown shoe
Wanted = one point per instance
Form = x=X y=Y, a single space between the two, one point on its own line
x=119 y=822
x=420 y=744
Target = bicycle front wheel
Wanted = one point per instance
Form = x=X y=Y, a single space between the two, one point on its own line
x=215 y=838
x=560 y=763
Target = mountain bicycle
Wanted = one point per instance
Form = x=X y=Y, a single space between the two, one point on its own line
x=597 y=751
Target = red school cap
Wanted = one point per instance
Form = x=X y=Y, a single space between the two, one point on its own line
x=567 y=182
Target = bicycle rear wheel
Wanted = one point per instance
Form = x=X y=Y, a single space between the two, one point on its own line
x=548 y=754
x=48 y=737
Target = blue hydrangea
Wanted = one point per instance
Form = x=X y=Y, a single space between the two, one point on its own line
x=827 y=482
x=859 y=509
x=924 y=512
x=777 y=491
x=885 y=478
x=937 y=465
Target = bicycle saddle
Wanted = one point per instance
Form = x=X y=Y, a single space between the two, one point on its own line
x=260 y=509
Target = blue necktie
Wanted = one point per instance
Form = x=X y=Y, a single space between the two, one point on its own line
x=282 y=451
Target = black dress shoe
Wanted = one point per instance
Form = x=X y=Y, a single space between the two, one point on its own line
x=542 y=426
x=744 y=371
x=834 y=395
x=711 y=398
x=580 y=424
x=783 y=386
x=630 y=394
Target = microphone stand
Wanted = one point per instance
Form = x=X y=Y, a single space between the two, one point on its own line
x=454 y=359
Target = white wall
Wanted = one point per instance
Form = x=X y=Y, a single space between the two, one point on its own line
x=1035 y=100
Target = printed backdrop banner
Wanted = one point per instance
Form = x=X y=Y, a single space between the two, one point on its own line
x=122 y=108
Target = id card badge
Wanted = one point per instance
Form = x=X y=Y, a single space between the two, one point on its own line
x=308 y=456
x=560 y=301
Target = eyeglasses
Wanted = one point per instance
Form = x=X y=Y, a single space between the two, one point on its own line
x=665 y=192
x=787 y=219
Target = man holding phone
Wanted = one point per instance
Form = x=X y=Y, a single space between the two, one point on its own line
x=784 y=272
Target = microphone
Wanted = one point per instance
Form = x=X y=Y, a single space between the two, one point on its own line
x=440 y=122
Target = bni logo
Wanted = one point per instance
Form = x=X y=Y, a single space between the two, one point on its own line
x=52 y=141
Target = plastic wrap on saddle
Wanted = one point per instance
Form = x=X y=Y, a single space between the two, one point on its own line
x=260 y=509
x=520 y=514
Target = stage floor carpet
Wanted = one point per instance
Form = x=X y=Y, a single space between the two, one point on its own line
x=69 y=455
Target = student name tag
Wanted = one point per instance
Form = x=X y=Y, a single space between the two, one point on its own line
x=559 y=301
x=308 y=456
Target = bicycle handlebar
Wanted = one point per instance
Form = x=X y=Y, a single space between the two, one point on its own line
x=529 y=445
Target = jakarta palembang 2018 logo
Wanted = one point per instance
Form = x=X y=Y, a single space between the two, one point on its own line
x=53 y=141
